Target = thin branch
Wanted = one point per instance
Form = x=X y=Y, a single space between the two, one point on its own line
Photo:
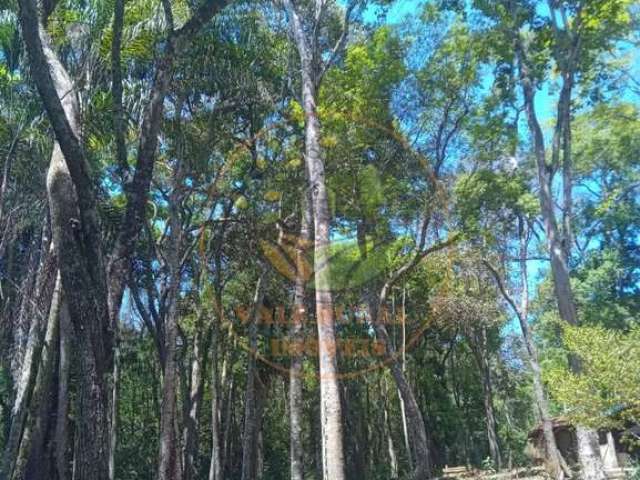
x=168 y=15
x=502 y=288
x=419 y=254
x=116 y=88
x=342 y=40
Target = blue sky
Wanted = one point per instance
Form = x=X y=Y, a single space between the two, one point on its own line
x=546 y=101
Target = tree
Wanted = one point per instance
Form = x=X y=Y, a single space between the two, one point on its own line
x=313 y=67
x=575 y=40
x=179 y=159
x=604 y=395
x=94 y=300
x=497 y=208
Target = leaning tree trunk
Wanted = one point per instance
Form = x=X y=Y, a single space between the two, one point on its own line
x=416 y=430
x=556 y=464
x=44 y=288
x=76 y=233
x=31 y=459
x=416 y=427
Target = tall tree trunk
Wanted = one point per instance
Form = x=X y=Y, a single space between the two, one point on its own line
x=195 y=399
x=330 y=407
x=168 y=462
x=403 y=414
x=6 y=170
x=331 y=410
x=416 y=427
x=215 y=467
x=76 y=232
x=167 y=458
x=250 y=431
x=262 y=389
x=296 y=337
x=29 y=310
x=228 y=424
x=137 y=187
x=555 y=463
x=391 y=449
x=482 y=361
x=119 y=129
x=590 y=461
x=62 y=420
x=115 y=387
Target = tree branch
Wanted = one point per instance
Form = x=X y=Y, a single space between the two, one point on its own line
x=42 y=58
x=342 y=40
x=116 y=89
x=418 y=255
x=138 y=189
x=500 y=283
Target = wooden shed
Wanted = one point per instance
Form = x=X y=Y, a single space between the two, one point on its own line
x=614 y=451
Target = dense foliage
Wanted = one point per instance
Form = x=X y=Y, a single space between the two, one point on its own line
x=160 y=201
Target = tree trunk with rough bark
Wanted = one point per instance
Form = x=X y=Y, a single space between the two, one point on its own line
x=115 y=386
x=32 y=463
x=482 y=362
x=76 y=233
x=168 y=461
x=28 y=309
x=215 y=467
x=296 y=337
x=190 y=443
x=250 y=430
x=92 y=306
x=46 y=279
x=167 y=457
x=62 y=416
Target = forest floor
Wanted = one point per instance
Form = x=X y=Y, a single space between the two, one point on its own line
x=464 y=473
x=530 y=473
